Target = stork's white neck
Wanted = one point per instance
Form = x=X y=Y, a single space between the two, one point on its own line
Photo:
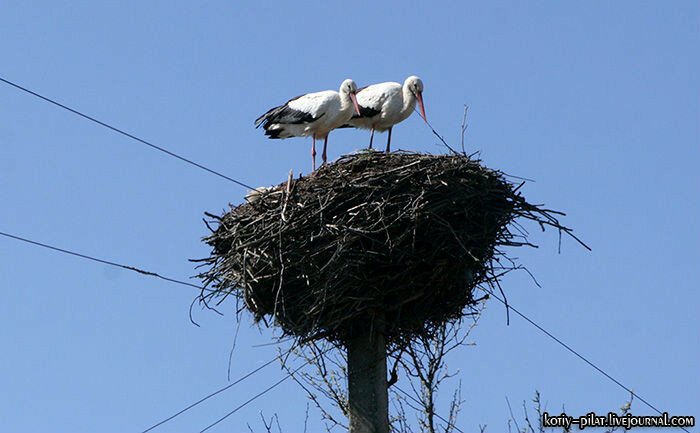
x=346 y=107
x=409 y=101
x=345 y=101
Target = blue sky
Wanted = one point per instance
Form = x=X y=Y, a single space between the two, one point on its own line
x=597 y=101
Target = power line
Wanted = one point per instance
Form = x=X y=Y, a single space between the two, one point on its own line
x=103 y=261
x=219 y=391
x=124 y=133
x=583 y=358
x=255 y=397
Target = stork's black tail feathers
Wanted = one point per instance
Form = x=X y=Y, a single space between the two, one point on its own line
x=266 y=118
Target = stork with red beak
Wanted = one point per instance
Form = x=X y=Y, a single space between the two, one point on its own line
x=384 y=105
x=314 y=114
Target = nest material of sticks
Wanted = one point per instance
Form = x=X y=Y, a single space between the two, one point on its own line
x=403 y=238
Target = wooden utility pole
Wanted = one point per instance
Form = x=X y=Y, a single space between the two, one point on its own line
x=368 y=397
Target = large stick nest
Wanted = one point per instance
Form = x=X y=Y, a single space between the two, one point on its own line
x=402 y=237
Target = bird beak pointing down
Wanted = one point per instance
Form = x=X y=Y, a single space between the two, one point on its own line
x=353 y=98
x=419 y=97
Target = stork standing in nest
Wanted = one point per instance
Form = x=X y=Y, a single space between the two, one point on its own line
x=384 y=105
x=314 y=114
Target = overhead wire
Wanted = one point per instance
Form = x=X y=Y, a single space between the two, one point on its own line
x=256 y=396
x=124 y=133
x=219 y=391
x=576 y=353
x=103 y=261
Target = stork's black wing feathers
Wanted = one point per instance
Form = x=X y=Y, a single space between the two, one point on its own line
x=366 y=112
x=284 y=114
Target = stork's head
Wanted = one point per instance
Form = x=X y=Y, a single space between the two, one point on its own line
x=349 y=89
x=415 y=86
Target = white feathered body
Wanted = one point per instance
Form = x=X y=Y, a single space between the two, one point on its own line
x=382 y=106
x=311 y=114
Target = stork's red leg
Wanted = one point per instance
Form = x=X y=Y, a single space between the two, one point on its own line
x=313 y=151
x=371 y=137
x=325 y=144
x=388 y=142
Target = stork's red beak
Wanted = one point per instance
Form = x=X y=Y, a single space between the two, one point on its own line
x=353 y=98
x=419 y=97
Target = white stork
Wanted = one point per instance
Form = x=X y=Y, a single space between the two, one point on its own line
x=314 y=114
x=384 y=105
